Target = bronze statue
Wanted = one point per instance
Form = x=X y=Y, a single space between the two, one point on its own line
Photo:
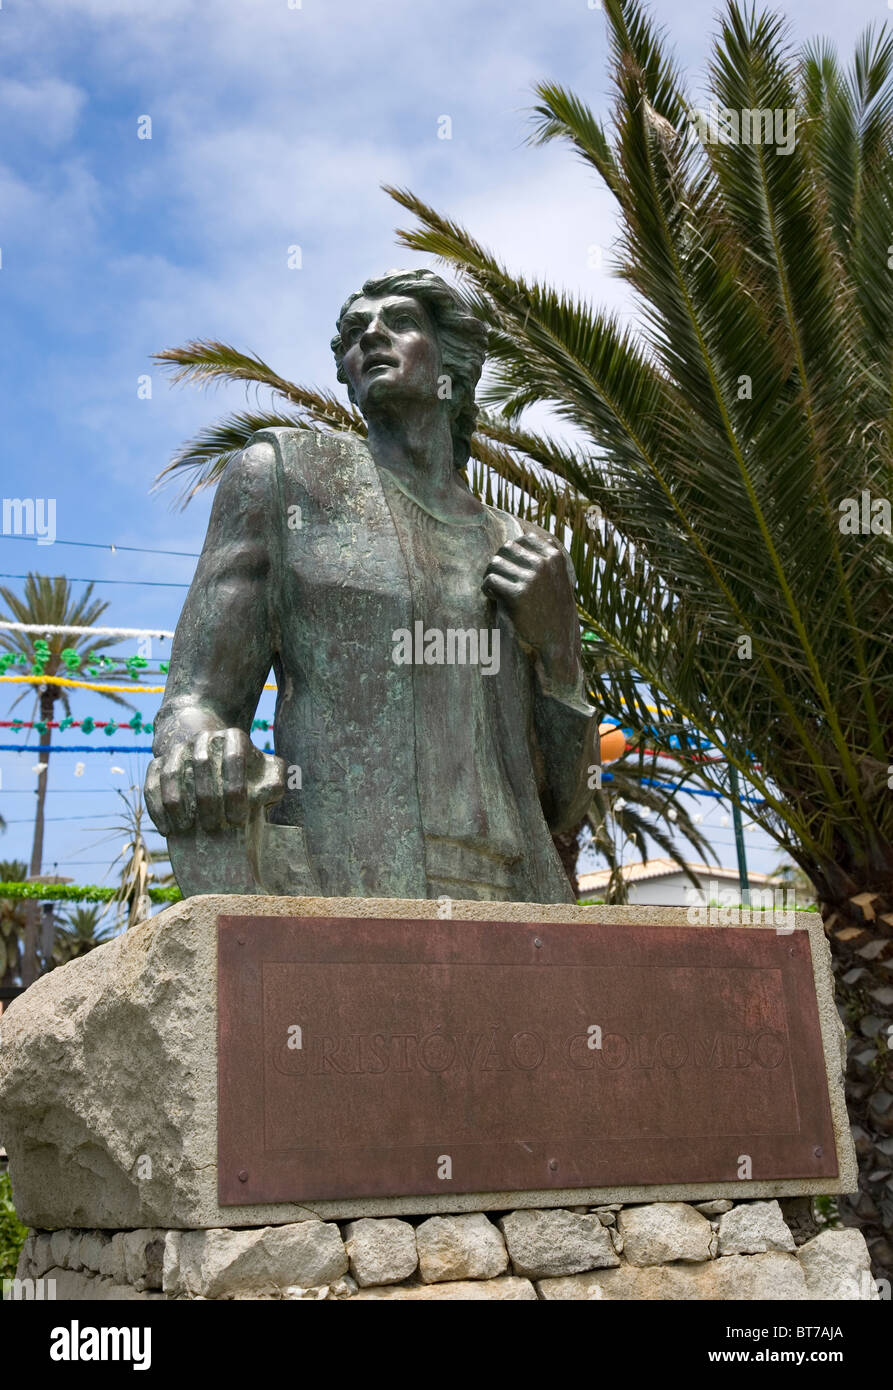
x=431 y=725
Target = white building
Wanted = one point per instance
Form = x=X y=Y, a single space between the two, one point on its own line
x=661 y=883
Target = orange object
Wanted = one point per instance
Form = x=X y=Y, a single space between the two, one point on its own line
x=613 y=742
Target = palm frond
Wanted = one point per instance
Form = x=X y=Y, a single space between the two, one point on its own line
x=199 y=463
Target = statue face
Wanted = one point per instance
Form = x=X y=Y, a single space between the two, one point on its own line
x=390 y=350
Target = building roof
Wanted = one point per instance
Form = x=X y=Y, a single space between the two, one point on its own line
x=668 y=868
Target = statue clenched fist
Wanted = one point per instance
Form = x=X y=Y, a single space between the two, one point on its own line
x=213 y=781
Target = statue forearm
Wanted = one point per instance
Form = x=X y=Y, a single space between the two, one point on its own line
x=206 y=772
x=560 y=674
x=532 y=579
x=214 y=682
x=210 y=687
x=568 y=738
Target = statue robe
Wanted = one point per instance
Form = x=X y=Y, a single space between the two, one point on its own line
x=415 y=781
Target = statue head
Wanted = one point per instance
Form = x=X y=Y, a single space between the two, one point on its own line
x=406 y=331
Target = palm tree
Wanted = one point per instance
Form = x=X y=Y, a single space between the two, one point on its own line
x=624 y=816
x=12 y=924
x=792 y=879
x=737 y=447
x=740 y=451
x=136 y=861
x=79 y=932
x=49 y=601
x=619 y=822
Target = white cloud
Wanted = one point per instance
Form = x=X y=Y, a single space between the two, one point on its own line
x=46 y=110
x=47 y=216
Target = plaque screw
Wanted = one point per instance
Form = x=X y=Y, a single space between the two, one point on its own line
x=240 y=940
x=243 y=1175
x=553 y=1164
x=818 y=1151
x=537 y=941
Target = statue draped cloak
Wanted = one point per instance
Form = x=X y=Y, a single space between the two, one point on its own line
x=415 y=781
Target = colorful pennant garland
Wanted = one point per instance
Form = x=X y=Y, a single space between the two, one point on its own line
x=73 y=661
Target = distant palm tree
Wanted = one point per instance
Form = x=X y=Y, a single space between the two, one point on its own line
x=12 y=924
x=49 y=601
x=136 y=861
x=80 y=931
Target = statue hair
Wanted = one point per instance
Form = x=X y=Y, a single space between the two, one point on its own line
x=462 y=339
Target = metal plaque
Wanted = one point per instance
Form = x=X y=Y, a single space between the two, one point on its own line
x=367 y=1057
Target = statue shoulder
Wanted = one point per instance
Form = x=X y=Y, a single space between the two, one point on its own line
x=249 y=479
x=290 y=442
x=254 y=468
x=259 y=455
x=304 y=459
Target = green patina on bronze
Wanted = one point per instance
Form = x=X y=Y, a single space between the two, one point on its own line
x=431 y=724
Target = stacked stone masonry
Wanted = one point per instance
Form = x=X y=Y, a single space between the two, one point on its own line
x=663 y=1250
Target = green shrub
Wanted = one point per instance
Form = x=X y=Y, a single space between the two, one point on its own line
x=12 y=1232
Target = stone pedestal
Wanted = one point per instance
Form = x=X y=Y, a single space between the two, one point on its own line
x=108 y=1080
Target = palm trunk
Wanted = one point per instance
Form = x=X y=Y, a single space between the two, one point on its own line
x=857 y=908
x=29 y=963
x=568 y=847
x=11 y=974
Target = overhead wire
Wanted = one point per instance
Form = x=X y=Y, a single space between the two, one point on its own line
x=113 y=547
x=80 y=579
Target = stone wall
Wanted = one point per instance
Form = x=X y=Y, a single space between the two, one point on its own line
x=663 y=1250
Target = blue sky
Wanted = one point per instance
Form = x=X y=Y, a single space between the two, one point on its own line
x=271 y=127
